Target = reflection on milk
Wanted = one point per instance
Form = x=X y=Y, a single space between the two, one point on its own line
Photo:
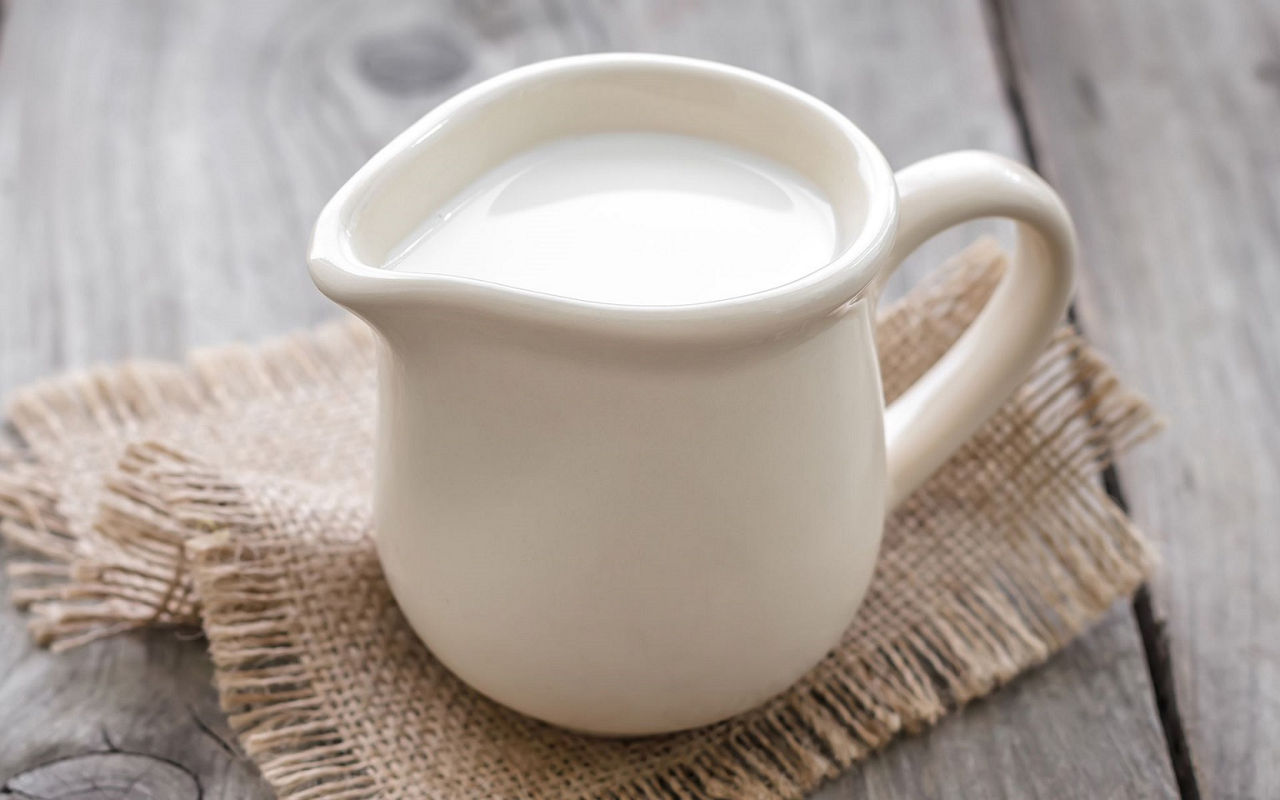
x=630 y=218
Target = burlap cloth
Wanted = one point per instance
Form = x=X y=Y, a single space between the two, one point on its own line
x=232 y=492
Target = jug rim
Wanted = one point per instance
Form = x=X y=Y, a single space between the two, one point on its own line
x=342 y=274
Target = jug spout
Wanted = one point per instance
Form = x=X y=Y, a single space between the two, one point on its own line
x=357 y=295
x=342 y=268
x=349 y=272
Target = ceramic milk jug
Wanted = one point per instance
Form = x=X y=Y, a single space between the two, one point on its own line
x=635 y=517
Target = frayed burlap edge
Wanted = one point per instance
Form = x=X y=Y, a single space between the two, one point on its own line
x=129 y=570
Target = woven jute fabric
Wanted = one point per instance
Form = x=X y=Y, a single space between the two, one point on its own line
x=232 y=492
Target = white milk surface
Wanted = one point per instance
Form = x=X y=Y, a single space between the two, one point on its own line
x=630 y=218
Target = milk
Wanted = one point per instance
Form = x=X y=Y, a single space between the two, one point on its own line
x=630 y=218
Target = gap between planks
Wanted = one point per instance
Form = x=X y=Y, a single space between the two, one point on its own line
x=1155 y=641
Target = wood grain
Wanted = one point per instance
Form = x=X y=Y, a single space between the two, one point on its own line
x=149 y=695
x=1162 y=128
x=110 y=775
x=160 y=167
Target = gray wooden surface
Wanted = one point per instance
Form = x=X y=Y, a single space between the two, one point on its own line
x=161 y=163
x=1163 y=132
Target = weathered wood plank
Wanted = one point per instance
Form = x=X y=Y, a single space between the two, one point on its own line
x=93 y=712
x=105 y=776
x=1162 y=127
x=160 y=167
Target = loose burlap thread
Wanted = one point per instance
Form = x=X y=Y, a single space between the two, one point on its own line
x=232 y=492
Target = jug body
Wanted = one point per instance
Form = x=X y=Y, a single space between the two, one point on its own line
x=629 y=539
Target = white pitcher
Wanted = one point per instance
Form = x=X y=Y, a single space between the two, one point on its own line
x=631 y=519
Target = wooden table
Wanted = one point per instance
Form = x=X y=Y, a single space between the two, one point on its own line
x=161 y=164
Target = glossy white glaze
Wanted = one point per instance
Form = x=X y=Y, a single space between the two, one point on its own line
x=629 y=518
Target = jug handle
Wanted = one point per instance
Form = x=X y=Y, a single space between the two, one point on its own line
x=947 y=405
